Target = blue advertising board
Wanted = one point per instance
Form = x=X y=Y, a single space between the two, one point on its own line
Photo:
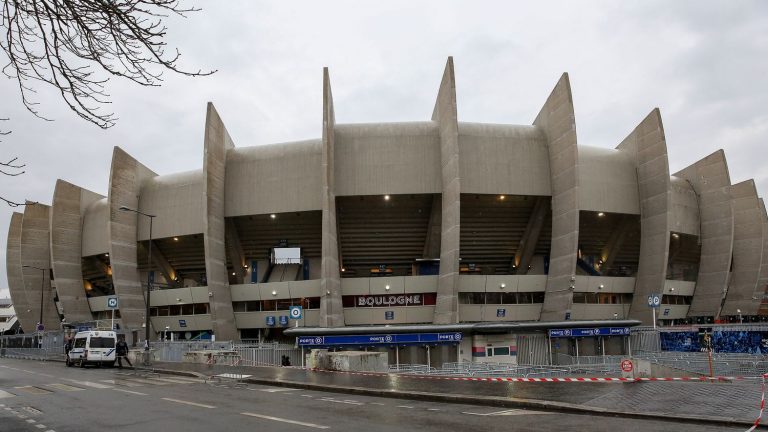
x=588 y=332
x=283 y=320
x=182 y=323
x=389 y=315
x=270 y=320
x=382 y=339
x=501 y=313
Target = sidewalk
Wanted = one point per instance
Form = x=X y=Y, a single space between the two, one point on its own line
x=727 y=403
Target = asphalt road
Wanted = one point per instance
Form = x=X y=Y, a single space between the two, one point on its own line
x=45 y=397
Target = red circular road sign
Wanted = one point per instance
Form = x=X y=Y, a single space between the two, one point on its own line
x=626 y=365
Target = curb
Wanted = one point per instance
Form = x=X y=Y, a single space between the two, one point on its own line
x=493 y=401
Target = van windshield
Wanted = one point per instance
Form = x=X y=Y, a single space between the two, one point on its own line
x=102 y=342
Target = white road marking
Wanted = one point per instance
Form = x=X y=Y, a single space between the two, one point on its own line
x=276 y=390
x=122 y=383
x=233 y=376
x=377 y=403
x=40 y=426
x=433 y=409
x=150 y=381
x=31 y=421
x=173 y=380
x=405 y=406
x=130 y=391
x=507 y=412
x=295 y=422
x=190 y=403
x=349 y=402
x=90 y=384
x=5 y=394
x=309 y=396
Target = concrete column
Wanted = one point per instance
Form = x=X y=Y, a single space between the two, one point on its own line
x=217 y=143
x=432 y=242
x=15 y=279
x=331 y=310
x=712 y=183
x=648 y=147
x=748 y=224
x=69 y=205
x=527 y=245
x=446 y=117
x=558 y=122
x=235 y=251
x=36 y=251
x=125 y=180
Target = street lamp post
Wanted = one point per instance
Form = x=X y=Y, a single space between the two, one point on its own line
x=42 y=293
x=149 y=276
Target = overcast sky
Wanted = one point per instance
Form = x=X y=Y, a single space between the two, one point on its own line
x=703 y=63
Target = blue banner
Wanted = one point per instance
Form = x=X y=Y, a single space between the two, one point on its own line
x=381 y=339
x=270 y=320
x=283 y=320
x=589 y=332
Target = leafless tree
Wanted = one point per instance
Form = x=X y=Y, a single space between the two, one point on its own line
x=76 y=46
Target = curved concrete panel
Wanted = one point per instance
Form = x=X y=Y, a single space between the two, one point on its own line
x=558 y=122
x=36 y=252
x=446 y=116
x=69 y=204
x=711 y=181
x=175 y=200
x=747 y=251
x=96 y=228
x=503 y=159
x=217 y=143
x=331 y=310
x=648 y=146
x=762 y=283
x=607 y=181
x=274 y=178
x=15 y=278
x=125 y=180
x=386 y=158
x=684 y=212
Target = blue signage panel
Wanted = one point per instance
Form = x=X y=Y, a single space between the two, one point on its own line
x=270 y=320
x=389 y=315
x=587 y=332
x=182 y=323
x=381 y=339
x=501 y=313
x=295 y=312
x=283 y=320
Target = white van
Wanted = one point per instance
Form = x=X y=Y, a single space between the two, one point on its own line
x=93 y=347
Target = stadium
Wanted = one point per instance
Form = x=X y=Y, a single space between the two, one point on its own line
x=485 y=235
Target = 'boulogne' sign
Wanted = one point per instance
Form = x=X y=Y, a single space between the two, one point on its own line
x=389 y=300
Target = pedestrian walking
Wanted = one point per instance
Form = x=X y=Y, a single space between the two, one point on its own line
x=122 y=352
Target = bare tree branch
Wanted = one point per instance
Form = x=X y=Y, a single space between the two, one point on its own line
x=76 y=46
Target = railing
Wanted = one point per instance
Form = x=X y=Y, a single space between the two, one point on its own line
x=502 y=370
x=37 y=346
x=723 y=364
x=268 y=354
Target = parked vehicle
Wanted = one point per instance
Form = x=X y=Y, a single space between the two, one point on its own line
x=93 y=347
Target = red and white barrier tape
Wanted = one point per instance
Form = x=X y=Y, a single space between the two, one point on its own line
x=762 y=406
x=575 y=379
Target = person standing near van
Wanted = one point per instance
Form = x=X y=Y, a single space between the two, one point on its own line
x=121 y=349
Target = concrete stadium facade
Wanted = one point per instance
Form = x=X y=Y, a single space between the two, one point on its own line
x=428 y=222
